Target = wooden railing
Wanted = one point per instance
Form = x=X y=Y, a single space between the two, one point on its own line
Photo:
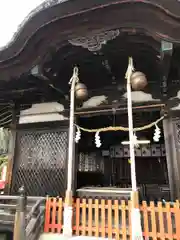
x=111 y=219
x=22 y=215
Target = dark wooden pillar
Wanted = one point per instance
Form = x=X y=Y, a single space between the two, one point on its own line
x=171 y=127
x=11 y=150
x=20 y=216
x=107 y=171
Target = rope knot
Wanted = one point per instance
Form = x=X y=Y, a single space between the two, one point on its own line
x=75 y=75
x=130 y=69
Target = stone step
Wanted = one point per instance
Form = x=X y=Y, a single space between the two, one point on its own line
x=55 y=236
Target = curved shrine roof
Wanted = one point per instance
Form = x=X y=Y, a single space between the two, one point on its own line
x=23 y=21
x=19 y=13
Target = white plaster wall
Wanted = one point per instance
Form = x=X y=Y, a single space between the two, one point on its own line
x=176 y=97
x=94 y=101
x=176 y=107
x=140 y=96
x=42 y=112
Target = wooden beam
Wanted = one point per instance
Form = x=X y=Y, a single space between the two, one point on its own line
x=120 y=110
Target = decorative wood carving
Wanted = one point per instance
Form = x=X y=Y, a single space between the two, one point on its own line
x=94 y=43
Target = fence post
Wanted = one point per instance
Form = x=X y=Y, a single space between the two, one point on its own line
x=19 y=222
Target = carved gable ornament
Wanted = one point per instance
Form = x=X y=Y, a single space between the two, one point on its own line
x=95 y=42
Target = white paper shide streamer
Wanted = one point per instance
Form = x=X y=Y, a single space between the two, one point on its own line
x=97 y=140
x=135 y=140
x=78 y=135
x=157 y=134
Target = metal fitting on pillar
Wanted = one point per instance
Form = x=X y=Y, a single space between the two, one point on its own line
x=19 y=222
x=135 y=199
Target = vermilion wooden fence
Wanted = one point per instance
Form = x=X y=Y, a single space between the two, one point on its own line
x=111 y=219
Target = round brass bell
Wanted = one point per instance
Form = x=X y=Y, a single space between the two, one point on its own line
x=138 y=81
x=81 y=91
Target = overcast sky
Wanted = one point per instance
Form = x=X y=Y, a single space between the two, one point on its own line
x=12 y=13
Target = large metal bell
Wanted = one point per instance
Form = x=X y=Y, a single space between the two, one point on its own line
x=138 y=81
x=81 y=91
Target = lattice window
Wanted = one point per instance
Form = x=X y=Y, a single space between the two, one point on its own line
x=176 y=126
x=40 y=163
